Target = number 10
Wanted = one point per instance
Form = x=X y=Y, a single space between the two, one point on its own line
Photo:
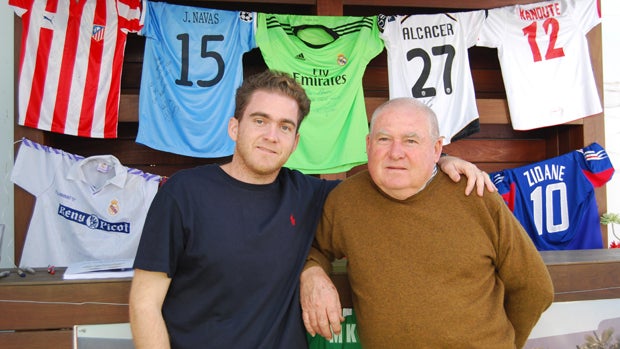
x=537 y=208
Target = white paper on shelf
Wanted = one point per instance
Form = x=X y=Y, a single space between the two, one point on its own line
x=100 y=269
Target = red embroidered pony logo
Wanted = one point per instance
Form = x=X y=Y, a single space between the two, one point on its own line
x=292 y=218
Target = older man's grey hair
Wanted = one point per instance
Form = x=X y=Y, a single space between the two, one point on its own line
x=414 y=106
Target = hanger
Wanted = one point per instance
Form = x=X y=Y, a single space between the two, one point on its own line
x=327 y=30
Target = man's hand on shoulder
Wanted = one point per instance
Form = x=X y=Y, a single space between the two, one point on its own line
x=454 y=167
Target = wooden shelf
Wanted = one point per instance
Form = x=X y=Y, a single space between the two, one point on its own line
x=40 y=310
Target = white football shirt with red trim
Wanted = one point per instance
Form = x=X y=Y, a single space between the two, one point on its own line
x=545 y=61
x=70 y=63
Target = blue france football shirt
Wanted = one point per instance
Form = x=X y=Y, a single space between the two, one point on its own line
x=554 y=199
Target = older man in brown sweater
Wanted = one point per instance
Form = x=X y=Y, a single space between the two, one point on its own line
x=428 y=266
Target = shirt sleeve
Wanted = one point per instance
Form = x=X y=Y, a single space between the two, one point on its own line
x=35 y=167
x=528 y=285
x=472 y=22
x=325 y=249
x=492 y=29
x=162 y=240
x=130 y=18
x=21 y=6
x=587 y=13
x=595 y=164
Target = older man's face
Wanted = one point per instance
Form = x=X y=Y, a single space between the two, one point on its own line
x=401 y=151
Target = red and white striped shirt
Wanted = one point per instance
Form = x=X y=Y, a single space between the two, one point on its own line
x=71 y=61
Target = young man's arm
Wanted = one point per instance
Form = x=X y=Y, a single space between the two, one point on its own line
x=148 y=290
x=454 y=167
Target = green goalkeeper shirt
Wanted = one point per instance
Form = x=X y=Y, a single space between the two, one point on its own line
x=327 y=55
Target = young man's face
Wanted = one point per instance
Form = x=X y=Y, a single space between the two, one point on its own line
x=267 y=134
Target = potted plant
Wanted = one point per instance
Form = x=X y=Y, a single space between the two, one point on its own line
x=613 y=219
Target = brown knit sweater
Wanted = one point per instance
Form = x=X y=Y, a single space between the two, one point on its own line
x=437 y=270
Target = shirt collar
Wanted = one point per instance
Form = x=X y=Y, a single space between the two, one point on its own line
x=76 y=172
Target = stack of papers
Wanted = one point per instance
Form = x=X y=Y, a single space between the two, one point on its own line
x=101 y=269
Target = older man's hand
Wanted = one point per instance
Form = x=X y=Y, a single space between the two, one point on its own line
x=320 y=303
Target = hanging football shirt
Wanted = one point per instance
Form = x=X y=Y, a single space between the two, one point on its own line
x=554 y=199
x=70 y=63
x=428 y=60
x=328 y=57
x=545 y=61
x=191 y=70
x=85 y=209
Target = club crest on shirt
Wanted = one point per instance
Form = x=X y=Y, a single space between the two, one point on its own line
x=342 y=60
x=98 y=32
x=113 y=208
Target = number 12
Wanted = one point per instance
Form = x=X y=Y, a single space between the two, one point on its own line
x=552 y=51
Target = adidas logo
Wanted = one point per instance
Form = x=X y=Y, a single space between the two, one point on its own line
x=300 y=57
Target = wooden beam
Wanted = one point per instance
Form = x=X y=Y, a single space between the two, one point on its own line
x=463 y=4
x=329 y=8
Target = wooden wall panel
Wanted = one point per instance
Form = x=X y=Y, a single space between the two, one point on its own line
x=53 y=303
x=57 y=339
x=494 y=148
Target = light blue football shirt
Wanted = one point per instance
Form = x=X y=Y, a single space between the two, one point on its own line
x=191 y=70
